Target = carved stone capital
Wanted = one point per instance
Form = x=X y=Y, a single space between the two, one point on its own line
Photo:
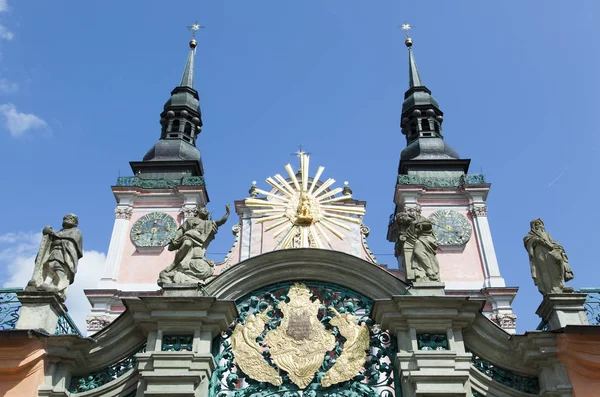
x=123 y=212
x=479 y=210
x=505 y=320
x=188 y=212
x=413 y=211
x=96 y=323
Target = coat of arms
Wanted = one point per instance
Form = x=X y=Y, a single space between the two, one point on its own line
x=300 y=342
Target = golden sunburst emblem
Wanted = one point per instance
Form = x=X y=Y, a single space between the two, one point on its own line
x=304 y=213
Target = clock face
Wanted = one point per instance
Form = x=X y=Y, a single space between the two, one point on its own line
x=155 y=229
x=450 y=227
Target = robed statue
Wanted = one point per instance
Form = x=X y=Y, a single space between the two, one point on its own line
x=190 y=241
x=548 y=260
x=56 y=261
x=418 y=247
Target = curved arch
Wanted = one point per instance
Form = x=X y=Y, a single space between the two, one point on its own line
x=307 y=264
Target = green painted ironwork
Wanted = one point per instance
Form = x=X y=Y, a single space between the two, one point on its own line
x=432 y=342
x=9 y=308
x=477 y=394
x=527 y=384
x=162 y=183
x=80 y=384
x=430 y=181
x=543 y=326
x=66 y=326
x=376 y=380
x=592 y=304
x=177 y=343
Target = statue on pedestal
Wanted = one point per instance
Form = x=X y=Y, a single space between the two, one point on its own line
x=548 y=260
x=417 y=245
x=57 y=259
x=191 y=240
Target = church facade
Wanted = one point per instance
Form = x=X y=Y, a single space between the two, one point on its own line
x=299 y=306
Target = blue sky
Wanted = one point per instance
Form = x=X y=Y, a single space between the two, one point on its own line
x=82 y=85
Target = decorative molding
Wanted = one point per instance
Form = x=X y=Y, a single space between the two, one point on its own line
x=364 y=232
x=161 y=183
x=235 y=229
x=96 y=323
x=429 y=181
x=123 y=212
x=504 y=320
x=481 y=210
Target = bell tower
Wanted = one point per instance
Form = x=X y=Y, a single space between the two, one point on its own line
x=166 y=187
x=434 y=182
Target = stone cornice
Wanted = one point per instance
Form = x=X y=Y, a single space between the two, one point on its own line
x=426 y=312
x=306 y=264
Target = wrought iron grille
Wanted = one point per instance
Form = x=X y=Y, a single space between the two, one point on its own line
x=80 y=384
x=592 y=305
x=9 y=308
x=377 y=378
x=507 y=378
x=177 y=343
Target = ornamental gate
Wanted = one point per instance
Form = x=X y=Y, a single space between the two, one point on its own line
x=257 y=342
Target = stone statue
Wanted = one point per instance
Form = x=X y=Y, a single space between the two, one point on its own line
x=417 y=245
x=57 y=259
x=548 y=260
x=191 y=240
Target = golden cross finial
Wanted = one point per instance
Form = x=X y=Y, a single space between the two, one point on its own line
x=194 y=28
x=300 y=152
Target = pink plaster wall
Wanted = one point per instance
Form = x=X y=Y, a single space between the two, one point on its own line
x=143 y=267
x=21 y=367
x=459 y=265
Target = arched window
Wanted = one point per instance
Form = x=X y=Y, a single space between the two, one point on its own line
x=188 y=128
x=425 y=125
x=175 y=126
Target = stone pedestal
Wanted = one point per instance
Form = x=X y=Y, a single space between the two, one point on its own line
x=40 y=310
x=427 y=289
x=181 y=374
x=560 y=310
x=183 y=290
x=425 y=369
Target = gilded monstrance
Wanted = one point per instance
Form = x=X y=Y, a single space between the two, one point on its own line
x=304 y=212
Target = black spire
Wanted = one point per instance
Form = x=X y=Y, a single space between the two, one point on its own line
x=181 y=120
x=422 y=124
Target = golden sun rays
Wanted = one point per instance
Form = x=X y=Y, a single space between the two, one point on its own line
x=301 y=212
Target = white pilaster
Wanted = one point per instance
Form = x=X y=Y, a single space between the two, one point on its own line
x=486 y=247
x=116 y=246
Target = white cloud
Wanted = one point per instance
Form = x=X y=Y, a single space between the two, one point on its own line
x=3 y=5
x=5 y=33
x=19 y=123
x=17 y=256
x=7 y=86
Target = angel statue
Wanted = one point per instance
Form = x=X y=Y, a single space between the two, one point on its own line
x=548 y=260
x=191 y=240
x=418 y=247
x=57 y=258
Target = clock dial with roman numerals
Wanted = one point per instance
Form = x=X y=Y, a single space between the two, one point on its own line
x=450 y=227
x=155 y=229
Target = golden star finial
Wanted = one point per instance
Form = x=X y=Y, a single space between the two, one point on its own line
x=194 y=28
x=406 y=27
